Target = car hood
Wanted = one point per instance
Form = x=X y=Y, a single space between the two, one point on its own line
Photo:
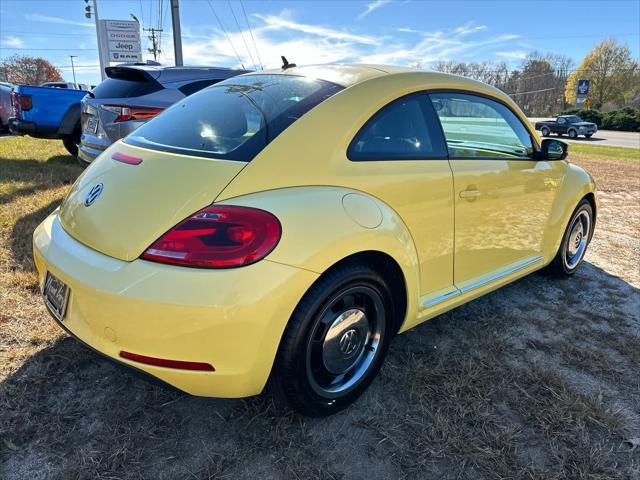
x=136 y=204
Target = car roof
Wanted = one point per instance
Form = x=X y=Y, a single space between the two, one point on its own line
x=174 y=74
x=177 y=74
x=347 y=75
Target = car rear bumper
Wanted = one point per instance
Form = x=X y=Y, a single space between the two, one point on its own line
x=88 y=153
x=231 y=319
x=23 y=127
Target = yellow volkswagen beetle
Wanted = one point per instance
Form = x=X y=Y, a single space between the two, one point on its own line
x=285 y=225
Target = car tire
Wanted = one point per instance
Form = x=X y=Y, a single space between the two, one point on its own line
x=573 y=134
x=588 y=135
x=71 y=142
x=575 y=241
x=545 y=131
x=335 y=342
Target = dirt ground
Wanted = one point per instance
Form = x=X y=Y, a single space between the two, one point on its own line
x=536 y=380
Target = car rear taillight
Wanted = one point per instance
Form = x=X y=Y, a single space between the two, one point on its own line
x=126 y=113
x=218 y=237
x=20 y=103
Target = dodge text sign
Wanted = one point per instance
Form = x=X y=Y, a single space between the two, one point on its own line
x=120 y=41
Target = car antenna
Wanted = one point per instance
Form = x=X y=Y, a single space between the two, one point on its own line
x=285 y=63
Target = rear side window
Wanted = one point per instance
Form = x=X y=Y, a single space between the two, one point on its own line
x=126 y=83
x=477 y=127
x=406 y=129
x=234 y=119
x=193 y=87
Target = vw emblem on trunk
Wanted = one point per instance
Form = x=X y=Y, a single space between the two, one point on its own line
x=93 y=194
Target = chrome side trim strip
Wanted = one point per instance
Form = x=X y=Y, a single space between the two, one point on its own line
x=499 y=275
x=441 y=298
x=480 y=283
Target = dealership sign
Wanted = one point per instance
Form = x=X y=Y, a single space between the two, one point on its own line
x=582 y=93
x=119 y=41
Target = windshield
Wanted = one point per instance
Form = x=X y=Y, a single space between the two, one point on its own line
x=234 y=119
x=574 y=119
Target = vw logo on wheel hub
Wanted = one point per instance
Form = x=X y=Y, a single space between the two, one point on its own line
x=349 y=342
x=93 y=194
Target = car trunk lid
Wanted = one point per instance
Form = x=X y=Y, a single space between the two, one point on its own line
x=132 y=204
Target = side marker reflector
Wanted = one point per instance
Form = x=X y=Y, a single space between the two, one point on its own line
x=161 y=362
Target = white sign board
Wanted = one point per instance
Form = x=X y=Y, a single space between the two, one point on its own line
x=120 y=41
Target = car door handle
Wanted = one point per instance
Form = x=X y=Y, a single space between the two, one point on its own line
x=470 y=194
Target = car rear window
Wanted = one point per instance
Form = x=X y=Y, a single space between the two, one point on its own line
x=126 y=83
x=234 y=119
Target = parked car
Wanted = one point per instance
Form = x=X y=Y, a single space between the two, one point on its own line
x=133 y=94
x=69 y=85
x=571 y=125
x=285 y=225
x=44 y=112
x=5 y=105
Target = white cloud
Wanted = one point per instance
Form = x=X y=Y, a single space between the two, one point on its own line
x=11 y=41
x=468 y=28
x=282 y=22
x=373 y=6
x=512 y=55
x=36 y=17
x=307 y=44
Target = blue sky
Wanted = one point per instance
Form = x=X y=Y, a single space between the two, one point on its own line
x=401 y=32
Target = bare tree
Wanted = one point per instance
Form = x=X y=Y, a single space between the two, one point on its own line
x=537 y=85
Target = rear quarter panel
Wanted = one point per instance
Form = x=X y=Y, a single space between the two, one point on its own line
x=323 y=225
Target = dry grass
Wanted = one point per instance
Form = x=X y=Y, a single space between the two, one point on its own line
x=537 y=380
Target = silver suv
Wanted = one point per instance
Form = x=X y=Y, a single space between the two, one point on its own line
x=133 y=94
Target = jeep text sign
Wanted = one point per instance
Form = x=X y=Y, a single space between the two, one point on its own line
x=120 y=41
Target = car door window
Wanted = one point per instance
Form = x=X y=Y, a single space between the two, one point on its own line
x=561 y=121
x=478 y=127
x=405 y=129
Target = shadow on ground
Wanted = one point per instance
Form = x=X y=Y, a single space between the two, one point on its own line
x=538 y=379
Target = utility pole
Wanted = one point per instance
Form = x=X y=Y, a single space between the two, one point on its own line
x=177 y=35
x=88 y=14
x=73 y=69
x=155 y=46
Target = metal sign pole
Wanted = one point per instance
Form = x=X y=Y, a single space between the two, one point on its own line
x=99 y=36
x=177 y=35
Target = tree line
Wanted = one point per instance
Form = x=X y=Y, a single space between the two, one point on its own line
x=545 y=84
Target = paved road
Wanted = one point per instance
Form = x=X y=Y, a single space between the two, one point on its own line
x=604 y=137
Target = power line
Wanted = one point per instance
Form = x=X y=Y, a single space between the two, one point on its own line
x=242 y=35
x=536 y=91
x=51 y=49
x=225 y=33
x=255 y=46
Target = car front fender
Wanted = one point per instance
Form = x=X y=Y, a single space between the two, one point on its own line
x=576 y=185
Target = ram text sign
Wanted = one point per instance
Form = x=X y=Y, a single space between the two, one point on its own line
x=120 y=41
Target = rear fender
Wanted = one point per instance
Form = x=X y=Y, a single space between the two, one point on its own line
x=71 y=120
x=323 y=225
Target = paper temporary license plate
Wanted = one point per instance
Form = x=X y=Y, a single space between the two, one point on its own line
x=92 y=125
x=56 y=295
